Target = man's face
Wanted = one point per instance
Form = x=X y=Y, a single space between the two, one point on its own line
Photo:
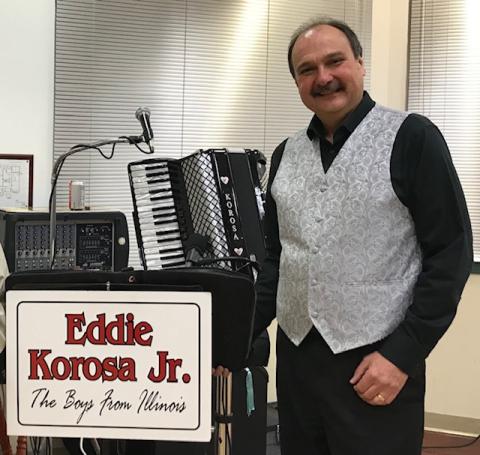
x=328 y=76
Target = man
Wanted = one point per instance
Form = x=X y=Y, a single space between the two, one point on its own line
x=369 y=248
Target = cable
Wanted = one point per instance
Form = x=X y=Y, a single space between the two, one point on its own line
x=96 y=446
x=131 y=141
x=34 y=445
x=80 y=445
x=247 y=262
x=461 y=446
x=50 y=202
x=117 y=447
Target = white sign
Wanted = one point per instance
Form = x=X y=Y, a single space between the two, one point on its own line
x=110 y=364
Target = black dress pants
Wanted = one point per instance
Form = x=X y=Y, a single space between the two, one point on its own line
x=321 y=414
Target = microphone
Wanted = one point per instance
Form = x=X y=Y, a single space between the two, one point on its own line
x=195 y=247
x=143 y=116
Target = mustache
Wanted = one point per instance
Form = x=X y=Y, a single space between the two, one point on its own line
x=331 y=87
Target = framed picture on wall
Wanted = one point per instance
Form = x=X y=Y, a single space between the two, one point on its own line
x=16 y=181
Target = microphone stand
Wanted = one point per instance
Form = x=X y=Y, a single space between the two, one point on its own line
x=52 y=206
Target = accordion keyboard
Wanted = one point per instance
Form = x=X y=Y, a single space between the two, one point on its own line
x=158 y=213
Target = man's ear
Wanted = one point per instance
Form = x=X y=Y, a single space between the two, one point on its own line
x=360 y=60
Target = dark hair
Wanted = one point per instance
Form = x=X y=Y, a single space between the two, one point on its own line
x=315 y=22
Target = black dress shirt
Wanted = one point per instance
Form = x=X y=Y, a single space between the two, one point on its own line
x=424 y=179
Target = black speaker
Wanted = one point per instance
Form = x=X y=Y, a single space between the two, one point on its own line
x=86 y=240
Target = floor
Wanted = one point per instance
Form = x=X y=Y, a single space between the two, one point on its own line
x=433 y=443
x=431 y=439
x=449 y=440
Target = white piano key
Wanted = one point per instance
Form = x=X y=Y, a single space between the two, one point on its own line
x=170 y=254
x=164 y=217
x=167 y=203
x=153 y=185
x=164 y=245
x=145 y=168
x=153 y=191
x=169 y=236
x=149 y=225
x=152 y=180
x=153 y=208
x=170 y=245
x=170 y=262
x=154 y=263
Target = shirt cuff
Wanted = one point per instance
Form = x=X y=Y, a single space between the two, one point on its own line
x=403 y=351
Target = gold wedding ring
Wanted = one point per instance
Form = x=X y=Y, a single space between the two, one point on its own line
x=380 y=397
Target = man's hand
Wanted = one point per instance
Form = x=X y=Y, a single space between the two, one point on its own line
x=377 y=380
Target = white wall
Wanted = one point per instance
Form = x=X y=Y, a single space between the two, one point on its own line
x=27 y=37
x=454 y=365
x=389 y=52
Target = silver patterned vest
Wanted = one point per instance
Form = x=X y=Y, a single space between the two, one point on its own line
x=350 y=257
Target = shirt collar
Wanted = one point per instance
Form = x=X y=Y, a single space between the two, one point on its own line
x=317 y=129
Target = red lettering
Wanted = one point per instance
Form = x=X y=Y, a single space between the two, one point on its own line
x=173 y=364
x=74 y=321
x=127 y=369
x=77 y=368
x=99 y=325
x=121 y=331
x=118 y=326
x=76 y=363
x=164 y=364
x=141 y=329
x=130 y=338
x=98 y=368
x=61 y=368
x=37 y=360
x=110 y=372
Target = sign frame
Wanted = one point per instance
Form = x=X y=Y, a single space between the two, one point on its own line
x=16 y=177
x=170 y=366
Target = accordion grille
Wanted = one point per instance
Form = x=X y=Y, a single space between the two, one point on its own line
x=204 y=202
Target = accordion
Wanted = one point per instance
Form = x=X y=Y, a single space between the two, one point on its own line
x=213 y=193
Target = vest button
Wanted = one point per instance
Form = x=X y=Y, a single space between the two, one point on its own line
x=316 y=250
x=323 y=188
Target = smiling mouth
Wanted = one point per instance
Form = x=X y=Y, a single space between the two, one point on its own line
x=326 y=93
